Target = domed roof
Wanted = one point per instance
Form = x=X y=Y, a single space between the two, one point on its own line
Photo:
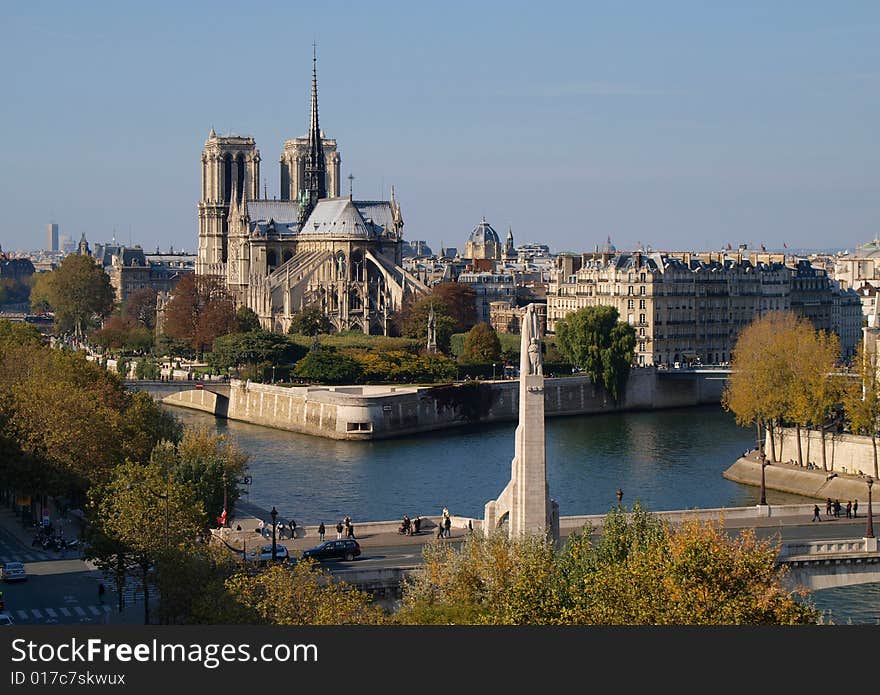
x=483 y=233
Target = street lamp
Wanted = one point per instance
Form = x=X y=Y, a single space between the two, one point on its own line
x=869 y=528
x=274 y=515
x=763 y=457
x=493 y=371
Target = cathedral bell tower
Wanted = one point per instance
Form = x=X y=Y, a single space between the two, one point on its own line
x=230 y=164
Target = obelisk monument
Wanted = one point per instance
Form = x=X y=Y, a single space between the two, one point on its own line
x=525 y=503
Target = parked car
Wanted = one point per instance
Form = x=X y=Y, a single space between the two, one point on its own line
x=13 y=572
x=346 y=549
x=6 y=619
x=264 y=554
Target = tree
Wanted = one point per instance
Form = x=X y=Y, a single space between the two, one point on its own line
x=77 y=290
x=246 y=320
x=594 y=340
x=303 y=594
x=122 y=331
x=147 y=516
x=327 y=366
x=200 y=310
x=861 y=399
x=460 y=301
x=481 y=345
x=415 y=321
x=783 y=371
x=256 y=347
x=638 y=571
x=310 y=321
x=758 y=391
x=141 y=307
x=209 y=465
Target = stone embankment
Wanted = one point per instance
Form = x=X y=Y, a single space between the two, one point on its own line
x=792 y=478
x=377 y=412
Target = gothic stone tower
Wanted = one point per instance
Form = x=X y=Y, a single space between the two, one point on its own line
x=229 y=164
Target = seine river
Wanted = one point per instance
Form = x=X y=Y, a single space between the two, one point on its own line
x=671 y=459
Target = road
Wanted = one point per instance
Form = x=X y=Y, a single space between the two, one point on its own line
x=57 y=591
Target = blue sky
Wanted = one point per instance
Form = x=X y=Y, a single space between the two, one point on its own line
x=683 y=125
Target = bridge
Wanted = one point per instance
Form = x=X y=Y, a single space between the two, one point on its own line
x=813 y=561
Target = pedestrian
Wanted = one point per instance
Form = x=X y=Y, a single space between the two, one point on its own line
x=447 y=526
x=261 y=528
x=101 y=590
x=292 y=528
x=837 y=508
x=417 y=522
x=828 y=507
x=849 y=509
x=816 y=516
x=440 y=529
x=338 y=530
x=445 y=512
x=321 y=531
x=350 y=533
x=855 y=509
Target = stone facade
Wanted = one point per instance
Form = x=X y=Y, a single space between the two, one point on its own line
x=311 y=247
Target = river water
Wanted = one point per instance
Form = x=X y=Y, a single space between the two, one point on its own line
x=671 y=459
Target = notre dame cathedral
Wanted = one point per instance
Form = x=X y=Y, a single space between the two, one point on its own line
x=310 y=248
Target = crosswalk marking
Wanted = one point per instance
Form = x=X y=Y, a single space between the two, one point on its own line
x=36 y=612
x=94 y=610
x=65 y=612
x=79 y=611
x=23 y=615
x=51 y=613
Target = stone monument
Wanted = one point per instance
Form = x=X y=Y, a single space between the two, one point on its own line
x=525 y=503
x=432 y=331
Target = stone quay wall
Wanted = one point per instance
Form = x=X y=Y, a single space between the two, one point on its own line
x=376 y=412
x=844 y=453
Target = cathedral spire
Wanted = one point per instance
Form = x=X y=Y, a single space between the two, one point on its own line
x=315 y=169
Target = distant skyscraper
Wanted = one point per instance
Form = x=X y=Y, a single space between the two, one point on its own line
x=52 y=237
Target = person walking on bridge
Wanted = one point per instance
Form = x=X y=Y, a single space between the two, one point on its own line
x=816 y=516
x=828 y=506
x=855 y=509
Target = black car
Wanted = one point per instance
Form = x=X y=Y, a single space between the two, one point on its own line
x=346 y=549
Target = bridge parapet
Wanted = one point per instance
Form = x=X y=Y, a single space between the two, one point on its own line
x=834 y=548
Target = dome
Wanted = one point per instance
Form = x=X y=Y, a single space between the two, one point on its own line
x=483 y=234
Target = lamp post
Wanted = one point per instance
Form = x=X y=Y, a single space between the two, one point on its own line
x=493 y=371
x=274 y=515
x=225 y=513
x=869 y=528
x=763 y=487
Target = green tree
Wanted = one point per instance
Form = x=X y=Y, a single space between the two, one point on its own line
x=481 y=345
x=594 y=340
x=310 y=321
x=327 y=366
x=78 y=290
x=146 y=516
x=256 y=347
x=209 y=465
x=246 y=320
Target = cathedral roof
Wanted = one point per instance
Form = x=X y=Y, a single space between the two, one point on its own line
x=282 y=211
x=337 y=217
